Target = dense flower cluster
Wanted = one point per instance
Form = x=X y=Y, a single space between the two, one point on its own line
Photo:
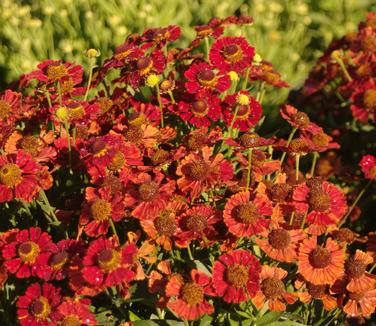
x=152 y=194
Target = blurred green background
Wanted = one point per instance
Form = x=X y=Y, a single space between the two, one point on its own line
x=290 y=33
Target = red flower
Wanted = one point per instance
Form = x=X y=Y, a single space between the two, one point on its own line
x=363 y=99
x=101 y=205
x=368 y=166
x=241 y=111
x=38 y=306
x=231 y=54
x=202 y=77
x=18 y=177
x=201 y=172
x=188 y=297
x=319 y=142
x=29 y=253
x=9 y=106
x=245 y=217
x=325 y=202
x=76 y=311
x=299 y=120
x=236 y=276
x=201 y=111
x=105 y=264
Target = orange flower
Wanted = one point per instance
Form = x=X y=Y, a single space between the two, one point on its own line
x=281 y=244
x=319 y=264
x=360 y=303
x=272 y=289
x=359 y=279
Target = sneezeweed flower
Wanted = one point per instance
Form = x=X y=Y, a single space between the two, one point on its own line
x=200 y=172
x=236 y=276
x=76 y=311
x=29 y=253
x=106 y=264
x=319 y=142
x=245 y=216
x=363 y=107
x=308 y=292
x=281 y=244
x=272 y=289
x=187 y=296
x=321 y=264
x=201 y=111
x=368 y=166
x=202 y=77
x=145 y=136
x=326 y=204
x=241 y=111
x=100 y=206
x=39 y=305
x=231 y=54
x=18 y=177
x=299 y=120
x=360 y=304
x=359 y=279
x=10 y=103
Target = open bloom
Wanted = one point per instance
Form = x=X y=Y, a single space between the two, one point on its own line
x=321 y=264
x=299 y=120
x=39 y=305
x=188 y=296
x=272 y=289
x=368 y=166
x=231 y=54
x=246 y=217
x=76 y=311
x=29 y=253
x=360 y=304
x=18 y=177
x=105 y=264
x=236 y=276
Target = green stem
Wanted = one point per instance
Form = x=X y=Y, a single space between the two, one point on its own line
x=90 y=79
x=207 y=47
x=233 y=121
x=113 y=227
x=249 y=171
x=313 y=166
x=343 y=68
x=190 y=252
x=59 y=92
x=160 y=313
x=160 y=104
x=297 y=159
x=244 y=85
x=288 y=143
x=50 y=209
x=355 y=202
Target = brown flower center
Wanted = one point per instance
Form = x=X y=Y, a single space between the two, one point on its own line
x=369 y=99
x=232 y=53
x=58 y=260
x=56 y=71
x=243 y=112
x=197 y=141
x=316 y=291
x=207 y=78
x=192 y=293
x=67 y=85
x=71 y=321
x=30 y=144
x=369 y=43
x=272 y=287
x=298 y=145
x=355 y=268
x=166 y=85
x=279 y=191
x=249 y=139
x=5 y=109
x=320 y=257
x=344 y=235
x=113 y=183
x=279 y=238
x=144 y=65
x=301 y=119
x=76 y=111
x=247 y=213
x=101 y=210
x=10 y=175
x=200 y=108
x=165 y=224
x=237 y=275
x=99 y=148
x=319 y=200
x=28 y=251
x=147 y=191
x=117 y=162
x=196 y=171
x=109 y=260
x=40 y=308
x=105 y=104
x=320 y=139
x=134 y=134
x=357 y=296
x=197 y=223
x=160 y=156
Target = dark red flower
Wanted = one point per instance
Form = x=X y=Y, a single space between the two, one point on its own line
x=299 y=120
x=38 y=307
x=76 y=311
x=368 y=166
x=231 y=54
x=236 y=276
x=10 y=103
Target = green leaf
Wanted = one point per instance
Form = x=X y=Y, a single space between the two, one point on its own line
x=201 y=267
x=269 y=318
x=145 y=323
x=206 y=320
